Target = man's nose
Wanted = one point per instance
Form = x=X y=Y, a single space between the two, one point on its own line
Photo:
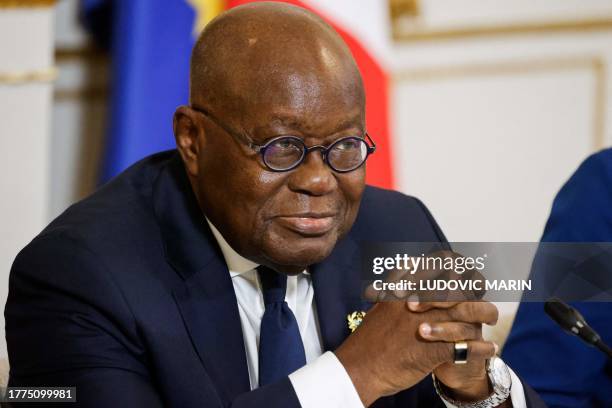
x=313 y=176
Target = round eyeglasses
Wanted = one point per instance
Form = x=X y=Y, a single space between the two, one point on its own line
x=285 y=153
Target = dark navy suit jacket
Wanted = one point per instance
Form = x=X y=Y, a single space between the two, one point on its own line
x=127 y=297
x=565 y=371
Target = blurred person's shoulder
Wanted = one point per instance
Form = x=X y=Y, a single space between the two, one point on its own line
x=581 y=209
x=123 y=201
x=116 y=218
x=599 y=163
x=590 y=183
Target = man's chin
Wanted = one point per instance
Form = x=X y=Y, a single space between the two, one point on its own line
x=296 y=254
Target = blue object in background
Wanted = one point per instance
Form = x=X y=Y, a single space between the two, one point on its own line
x=561 y=368
x=150 y=42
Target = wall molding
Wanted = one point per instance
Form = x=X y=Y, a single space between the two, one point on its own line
x=24 y=77
x=87 y=56
x=26 y=3
x=597 y=65
x=89 y=94
x=415 y=31
x=88 y=52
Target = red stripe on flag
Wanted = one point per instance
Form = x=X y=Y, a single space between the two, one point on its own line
x=376 y=85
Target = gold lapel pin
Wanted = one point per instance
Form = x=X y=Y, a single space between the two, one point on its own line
x=355 y=319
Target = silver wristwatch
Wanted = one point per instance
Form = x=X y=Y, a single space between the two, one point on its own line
x=500 y=379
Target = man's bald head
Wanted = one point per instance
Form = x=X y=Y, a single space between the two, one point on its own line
x=269 y=50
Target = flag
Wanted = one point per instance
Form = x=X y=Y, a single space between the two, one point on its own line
x=151 y=43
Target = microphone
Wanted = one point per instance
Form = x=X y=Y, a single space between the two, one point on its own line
x=573 y=322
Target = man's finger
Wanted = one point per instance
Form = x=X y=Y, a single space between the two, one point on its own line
x=425 y=306
x=450 y=331
x=477 y=350
x=474 y=312
x=394 y=276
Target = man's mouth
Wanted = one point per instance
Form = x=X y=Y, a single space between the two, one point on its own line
x=309 y=224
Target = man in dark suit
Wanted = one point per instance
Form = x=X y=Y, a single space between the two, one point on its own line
x=221 y=274
x=536 y=347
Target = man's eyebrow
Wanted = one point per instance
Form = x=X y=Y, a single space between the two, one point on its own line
x=288 y=121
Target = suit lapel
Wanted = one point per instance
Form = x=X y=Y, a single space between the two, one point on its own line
x=337 y=286
x=210 y=313
x=206 y=297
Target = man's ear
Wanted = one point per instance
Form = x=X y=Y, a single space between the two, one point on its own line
x=189 y=136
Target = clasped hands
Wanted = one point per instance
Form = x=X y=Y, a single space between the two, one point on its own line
x=402 y=341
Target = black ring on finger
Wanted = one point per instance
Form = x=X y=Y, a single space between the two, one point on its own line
x=460 y=352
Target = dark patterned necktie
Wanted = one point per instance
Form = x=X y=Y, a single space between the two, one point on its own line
x=281 y=350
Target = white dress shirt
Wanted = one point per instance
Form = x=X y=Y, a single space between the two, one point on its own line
x=323 y=372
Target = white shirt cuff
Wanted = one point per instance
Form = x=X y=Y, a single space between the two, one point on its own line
x=517 y=394
x=334 y=388
x=325 y=383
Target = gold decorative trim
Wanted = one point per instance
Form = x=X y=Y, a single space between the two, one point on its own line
x=64 y=54
x=594 y=63
x=497 y=68
x=404 y=9
x=600 y=104
x=86 y=94
x=87 y=55
x=21 y=77
x=26 y=3
x=416 y=34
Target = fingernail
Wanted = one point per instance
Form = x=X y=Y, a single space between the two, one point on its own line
x=496 y=348
x=425 y=329
x=413 y=302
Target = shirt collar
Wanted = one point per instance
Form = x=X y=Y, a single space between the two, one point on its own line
x=236 y=263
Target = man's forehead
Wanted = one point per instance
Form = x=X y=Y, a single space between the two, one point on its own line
x=341 y=120
x=280 y=93
x=272 y=51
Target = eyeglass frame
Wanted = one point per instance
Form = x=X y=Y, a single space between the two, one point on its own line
x=261 y=148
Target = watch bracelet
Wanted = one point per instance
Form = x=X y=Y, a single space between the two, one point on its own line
x=491 y=401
